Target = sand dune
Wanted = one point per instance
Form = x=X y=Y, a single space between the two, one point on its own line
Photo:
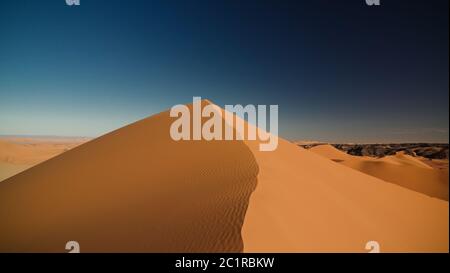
x=401 y=169
x=307 y=203
x=136 y=190
x=34 y=150
x=132 y=190
x=19 y=153
x=7 y=169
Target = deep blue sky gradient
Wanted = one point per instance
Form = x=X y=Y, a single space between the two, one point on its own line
x=340 y=71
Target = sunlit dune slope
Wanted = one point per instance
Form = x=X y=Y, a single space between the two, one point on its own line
x=19 y=154
x=401 y=169
x=307 y=203
x=132 y=190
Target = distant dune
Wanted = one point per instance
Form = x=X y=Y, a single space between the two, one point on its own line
x=401 y=169
x=137 y=190
x=307 y=203
x=20 y=153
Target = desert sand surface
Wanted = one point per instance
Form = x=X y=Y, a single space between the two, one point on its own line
x=414 y=173
x=7 y=169
x=20 y=153
x=132 y=190
x=137 y=190
x=307 y=203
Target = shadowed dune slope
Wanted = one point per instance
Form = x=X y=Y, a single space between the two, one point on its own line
x=401 y=169
x=132 y=190
x=307 y=203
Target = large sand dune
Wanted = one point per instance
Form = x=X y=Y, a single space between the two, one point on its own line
x=401 y=169
x=132 y=190
x=136 y=190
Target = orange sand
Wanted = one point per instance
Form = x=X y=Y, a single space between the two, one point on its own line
x=401 y=169
x=307 y=203
x=18 y=154
x=136 y=190
x=132 y=190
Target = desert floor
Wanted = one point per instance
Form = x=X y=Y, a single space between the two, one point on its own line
x=20 y=153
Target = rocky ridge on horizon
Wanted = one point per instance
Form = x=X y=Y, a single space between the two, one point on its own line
x=427 y=150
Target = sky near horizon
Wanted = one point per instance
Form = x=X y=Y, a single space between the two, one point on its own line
x=340 y=71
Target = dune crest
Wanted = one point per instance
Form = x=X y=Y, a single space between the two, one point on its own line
x=132 y=190
x=307 y=203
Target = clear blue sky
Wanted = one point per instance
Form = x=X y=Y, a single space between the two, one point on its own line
x=339 y=70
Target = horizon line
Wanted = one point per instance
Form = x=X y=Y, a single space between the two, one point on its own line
x=312 y=142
